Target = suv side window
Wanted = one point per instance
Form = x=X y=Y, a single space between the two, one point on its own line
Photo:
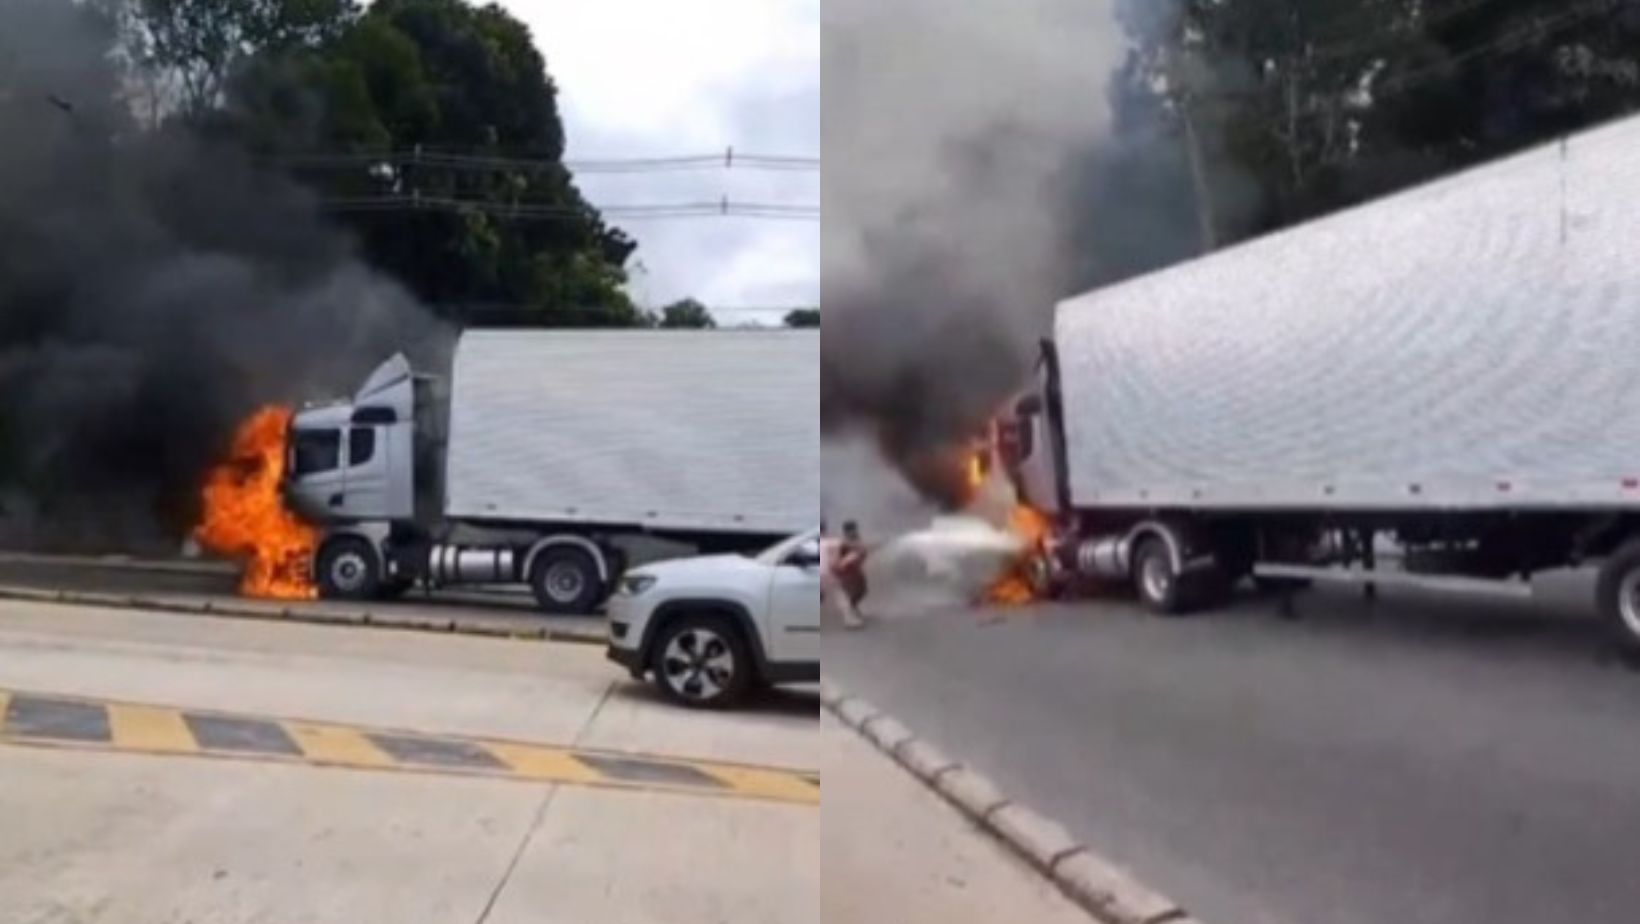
x=318 y=451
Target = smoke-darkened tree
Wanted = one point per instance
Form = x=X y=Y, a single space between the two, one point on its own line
x=155 y=288
x=192 y=47
x=1281 y=110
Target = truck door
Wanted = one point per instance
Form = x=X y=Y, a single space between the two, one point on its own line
x=1033 y=448
x=794 y=605
x=318 y=480
x=366 y=474
x=340 y=472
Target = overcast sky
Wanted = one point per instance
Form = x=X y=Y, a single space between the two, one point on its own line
x=659 y=78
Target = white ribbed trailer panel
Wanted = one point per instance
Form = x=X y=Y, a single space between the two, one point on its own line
x=683 y=431
x=1471 y=344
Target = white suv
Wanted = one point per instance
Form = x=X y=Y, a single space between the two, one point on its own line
x=710 y=628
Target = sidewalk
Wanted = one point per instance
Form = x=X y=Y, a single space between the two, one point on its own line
x=517 y=622
x=890 y=850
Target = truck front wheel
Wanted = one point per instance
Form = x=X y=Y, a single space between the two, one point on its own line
x=348 y=570
x=1618 y=595
x=566 y=581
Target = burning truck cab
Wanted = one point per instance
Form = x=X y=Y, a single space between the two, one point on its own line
x=356 y=460
x=544 y=458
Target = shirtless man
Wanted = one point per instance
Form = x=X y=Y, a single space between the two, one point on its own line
x=842 y=574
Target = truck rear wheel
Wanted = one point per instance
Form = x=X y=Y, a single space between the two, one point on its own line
x=1618 y=595
x=566 y=581
x=348 y=570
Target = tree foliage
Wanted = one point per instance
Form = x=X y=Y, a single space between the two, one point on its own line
x=346 y=101
x=803 y=318
x=687 y=314
x=1295 y=108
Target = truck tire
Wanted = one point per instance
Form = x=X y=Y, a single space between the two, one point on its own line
x=566 y=581
x=1160 y=586
x=701 y=661
x=1617 y=593
x=347 y=569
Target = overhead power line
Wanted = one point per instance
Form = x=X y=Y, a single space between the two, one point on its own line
x=724 y=208
x=728 y=159
x=1513 y=40
x=1357 y=42
x=502 y=308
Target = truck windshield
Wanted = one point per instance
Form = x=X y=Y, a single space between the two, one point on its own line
x=317 y=451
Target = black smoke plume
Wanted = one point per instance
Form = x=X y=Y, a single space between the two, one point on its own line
x=975 y=174
x=155 y=288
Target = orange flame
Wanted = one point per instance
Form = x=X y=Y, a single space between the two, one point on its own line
x=1014 y=588
x=1026 y=523
x=245 y=517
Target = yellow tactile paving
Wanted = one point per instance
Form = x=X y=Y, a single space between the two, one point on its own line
x=41 y=719
x=147 y=728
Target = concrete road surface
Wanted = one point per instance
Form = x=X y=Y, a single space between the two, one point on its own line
x=1427 y=761
x=111 y=834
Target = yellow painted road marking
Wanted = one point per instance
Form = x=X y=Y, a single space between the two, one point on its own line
x=149 y=728
x=778 y=785
x=94 y=724
x=542 y=763
x=337 y=745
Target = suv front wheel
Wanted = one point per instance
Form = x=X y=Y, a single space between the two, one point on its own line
x=701 y=661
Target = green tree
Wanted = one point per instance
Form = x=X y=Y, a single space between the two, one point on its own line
x=439 y=113
x=687 y=313
x=803 y=317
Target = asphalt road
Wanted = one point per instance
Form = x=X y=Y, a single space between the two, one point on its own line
x=1424 y=761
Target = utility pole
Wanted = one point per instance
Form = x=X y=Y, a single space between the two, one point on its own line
x=1207 y=222
x=1178 y=72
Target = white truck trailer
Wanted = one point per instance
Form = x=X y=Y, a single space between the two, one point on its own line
x=1452 y=372
x=550 y=452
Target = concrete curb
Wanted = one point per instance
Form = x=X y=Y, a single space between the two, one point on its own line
x=1106 y=891
x=198 y=566
x=293 y=613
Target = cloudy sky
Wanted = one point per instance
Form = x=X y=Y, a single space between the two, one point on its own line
x=659 y=78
